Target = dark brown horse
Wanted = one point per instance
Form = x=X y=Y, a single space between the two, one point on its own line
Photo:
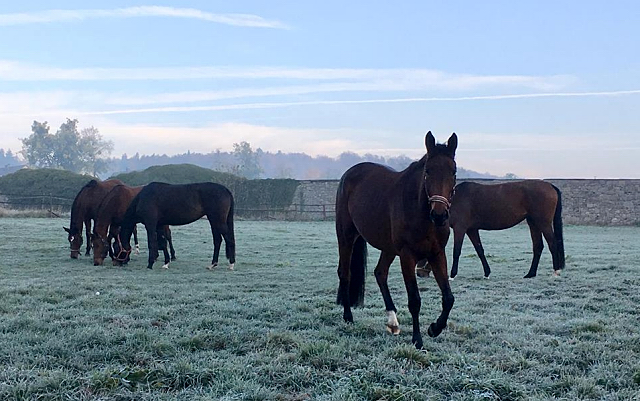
x=160 y=204
x=497 y=207
x=402 y=214
x=83 y=210
x=107 y=223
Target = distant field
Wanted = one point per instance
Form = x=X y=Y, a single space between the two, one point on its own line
x=271 y=330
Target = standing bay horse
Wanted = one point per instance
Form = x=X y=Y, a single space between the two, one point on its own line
x=107 y=223
x=500 y=206
x=402 y=214
x=84 y=208
x=159 y=204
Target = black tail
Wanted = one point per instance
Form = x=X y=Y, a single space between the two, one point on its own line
x=557 y=230
x=230 y=238
x=358 y=272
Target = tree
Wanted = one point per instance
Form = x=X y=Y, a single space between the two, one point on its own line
x=248 y=160
x=37 y=149
x=80 y=152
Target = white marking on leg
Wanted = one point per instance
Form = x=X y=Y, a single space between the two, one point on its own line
x=231 y=266
x=451 y=278
x=212 y=266
x=556 y=273
x=486 y=277
x=165 y=266
x=137 y=249
x=393 y=326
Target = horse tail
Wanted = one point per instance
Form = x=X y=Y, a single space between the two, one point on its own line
x=358 y=268
x=557 y=230
x=229 y=238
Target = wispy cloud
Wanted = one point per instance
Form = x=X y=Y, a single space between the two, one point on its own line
x=398 y=79
x=244 y=20
x=267 y=105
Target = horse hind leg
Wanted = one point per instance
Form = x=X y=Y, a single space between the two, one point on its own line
x=382 y=273
x=538 y=246
x=474 y=236
x=550 y=237
x=217 y=243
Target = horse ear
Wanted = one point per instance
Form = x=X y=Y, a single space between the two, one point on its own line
x=66 y=229
x=452 y=143
x=430 y=142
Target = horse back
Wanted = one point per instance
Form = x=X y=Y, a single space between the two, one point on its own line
x=87 y=201
x=501 y=206
x=370 y=196
x=181 y=204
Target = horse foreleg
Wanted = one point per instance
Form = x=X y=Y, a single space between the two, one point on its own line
x=538 y=246
x=382 y=273
x=439 y=269
x=458 y=239
x=135 y=238
x=474 y=236
x=152 y=243
x=408 y=264
x=167 y=233
x=87 y=229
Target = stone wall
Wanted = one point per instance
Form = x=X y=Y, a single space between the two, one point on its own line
x=585 y=202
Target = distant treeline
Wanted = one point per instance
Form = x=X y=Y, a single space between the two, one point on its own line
x=298 y=166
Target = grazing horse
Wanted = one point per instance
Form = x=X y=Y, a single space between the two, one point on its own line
x=84 y=208
x=501 y=206
x=160 y=204
x=402 y=214
x=108 y=218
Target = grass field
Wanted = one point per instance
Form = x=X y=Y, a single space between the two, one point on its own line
x=271 y=330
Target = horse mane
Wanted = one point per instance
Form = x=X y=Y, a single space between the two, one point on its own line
x=76 y=200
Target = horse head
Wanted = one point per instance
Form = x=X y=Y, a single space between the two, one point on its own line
x=439 y=177
x=75 y=241
x=101 y=247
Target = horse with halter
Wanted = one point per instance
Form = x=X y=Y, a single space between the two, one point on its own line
x=159 y=204
x=403 y=214
x=107 y=224
x=83 y=210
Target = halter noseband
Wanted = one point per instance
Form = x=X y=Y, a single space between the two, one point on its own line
x=73 y=237
x=440 y=199
x=122 y=250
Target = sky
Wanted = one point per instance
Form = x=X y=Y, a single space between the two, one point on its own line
x=544 y=89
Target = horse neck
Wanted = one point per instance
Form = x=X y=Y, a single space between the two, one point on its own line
x=412 y=180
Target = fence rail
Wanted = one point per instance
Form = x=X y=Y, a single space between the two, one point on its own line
x=58 y=206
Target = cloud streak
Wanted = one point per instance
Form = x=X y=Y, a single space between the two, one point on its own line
x=268 y=105
x=48 y=16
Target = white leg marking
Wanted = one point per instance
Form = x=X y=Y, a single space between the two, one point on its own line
x=556 y=273
x=212 y=266
x=231 y=266
x=165 y=266
x=451 y=278
x=137 y=249
x=486 y=277
x=393 y=326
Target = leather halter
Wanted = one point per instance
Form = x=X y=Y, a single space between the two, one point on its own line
x=122 y=250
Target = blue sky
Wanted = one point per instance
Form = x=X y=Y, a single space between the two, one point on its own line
x=542 y=90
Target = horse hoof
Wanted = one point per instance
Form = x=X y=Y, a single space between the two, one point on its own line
x=452 y=278
x=529 y=276
x=232 y=266
x=556 y=273
x=395 y=330
x=165 y=266
x=212 y=266
x=418 y=343
x=433 y=330
x=486 y=277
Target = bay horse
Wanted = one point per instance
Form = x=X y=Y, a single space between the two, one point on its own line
x=107 y=223
x=83 y=210
x=501 y=206
x=159 y=204
x=403 y=214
